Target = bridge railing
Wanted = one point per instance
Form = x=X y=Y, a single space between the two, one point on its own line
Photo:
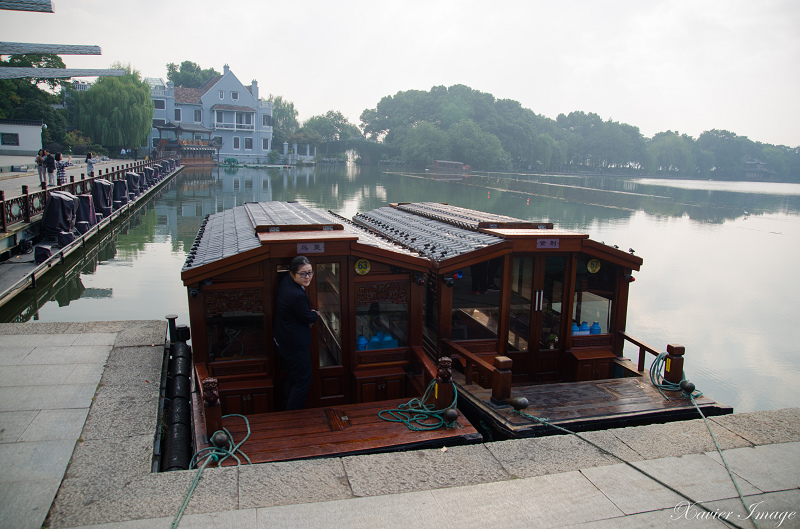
x=30 y=204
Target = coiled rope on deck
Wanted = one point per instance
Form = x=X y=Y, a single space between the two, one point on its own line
x=211 y=454
x=688 y=391
x=420 y=417
x=663 y=384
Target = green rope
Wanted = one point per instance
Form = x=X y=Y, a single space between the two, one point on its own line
x=730 y=473
x=417 y=415
x=546 y=422
x=209 y=454
x=663 y=384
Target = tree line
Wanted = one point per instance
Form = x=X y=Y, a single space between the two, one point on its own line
x=474 y=127
x=443 y=123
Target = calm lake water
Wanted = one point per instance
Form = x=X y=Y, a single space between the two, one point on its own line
x=719 y=274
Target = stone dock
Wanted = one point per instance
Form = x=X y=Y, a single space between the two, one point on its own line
x=78 y=414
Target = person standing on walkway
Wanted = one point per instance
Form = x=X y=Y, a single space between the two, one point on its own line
x=61 y=168
x=293 y=321
x=50 y=164
x=40 y=166
x=89 y=165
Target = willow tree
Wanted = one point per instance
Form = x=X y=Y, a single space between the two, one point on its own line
x=116 y=111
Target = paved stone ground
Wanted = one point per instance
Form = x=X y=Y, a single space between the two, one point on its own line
x=558 y=481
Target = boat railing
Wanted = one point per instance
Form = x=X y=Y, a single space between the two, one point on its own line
x=424 y=368
x=497 y=376
x=30 y=204
x=643 y=349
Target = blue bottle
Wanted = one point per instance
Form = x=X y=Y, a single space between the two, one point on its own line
x=584 y=328
x=361 y=343
x=595 y=329
x=575 y=328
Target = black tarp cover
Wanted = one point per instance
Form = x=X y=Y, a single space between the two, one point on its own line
x=149 y=176
x=86 y=210
x=101 y=194
x=133 y=183
x=59 y=213
x=120 y=192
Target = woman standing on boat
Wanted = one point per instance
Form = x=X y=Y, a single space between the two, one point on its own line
x=293 y=321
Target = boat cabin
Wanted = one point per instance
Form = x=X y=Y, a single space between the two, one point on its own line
x=549 y=301
x=403 y=277
x=364 y=289
x=513 y=304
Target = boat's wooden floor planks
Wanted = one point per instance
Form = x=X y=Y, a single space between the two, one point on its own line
x=599 y=403
x=336 y=431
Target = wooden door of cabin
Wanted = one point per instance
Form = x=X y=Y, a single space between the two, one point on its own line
x=328 y=295
x=329 y=364
x=536 y=337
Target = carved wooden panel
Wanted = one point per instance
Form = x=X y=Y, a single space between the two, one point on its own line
x=227 y=301
x=597 y=340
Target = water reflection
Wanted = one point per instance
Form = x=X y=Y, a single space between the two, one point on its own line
x=719 y=259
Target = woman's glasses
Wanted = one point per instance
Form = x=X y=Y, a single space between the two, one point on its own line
x=305 y=275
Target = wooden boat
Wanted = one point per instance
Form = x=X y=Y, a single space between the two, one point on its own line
x=363 y=285
x=403 y=286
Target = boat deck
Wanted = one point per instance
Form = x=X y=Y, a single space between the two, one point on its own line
x=338 y=431
x=582 y=406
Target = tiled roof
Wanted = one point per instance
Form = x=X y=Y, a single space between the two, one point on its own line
x=431 y=238
x=465 y=218
x=287 y=216
x=233 y=107
x=188 y=96
x=235 y=231
x=222 y=235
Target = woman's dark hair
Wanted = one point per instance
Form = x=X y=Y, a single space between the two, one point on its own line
x=41 y=151
x=88 y=156
x=58 y=156
x=297 y=263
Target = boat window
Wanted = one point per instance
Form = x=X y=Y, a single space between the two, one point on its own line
x=382 y=314
x=520 y=309
x=476 y=301
x=595 y=287
x=328 y=277
x=235 y=323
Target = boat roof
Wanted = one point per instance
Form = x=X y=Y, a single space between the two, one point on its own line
x=245 y=228
x=435 y=239
x=420 y=235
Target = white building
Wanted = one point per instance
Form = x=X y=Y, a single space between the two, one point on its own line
x=20 y=137
x=230 y=112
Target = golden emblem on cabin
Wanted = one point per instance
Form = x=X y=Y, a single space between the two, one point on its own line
x=362 y=267
x=593 y=266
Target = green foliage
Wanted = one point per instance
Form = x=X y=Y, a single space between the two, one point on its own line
x=474 y=147
x=577 y=141
x=332 y=126
x=273 y=157
x=116 y=111
x=425 y=143
x=670 y=153
x=189 y=74
x=23 y=99
x=284 y=119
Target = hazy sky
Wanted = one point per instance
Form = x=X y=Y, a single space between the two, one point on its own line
x=662 y=65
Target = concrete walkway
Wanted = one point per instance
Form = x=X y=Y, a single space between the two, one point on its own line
x=558 y=481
